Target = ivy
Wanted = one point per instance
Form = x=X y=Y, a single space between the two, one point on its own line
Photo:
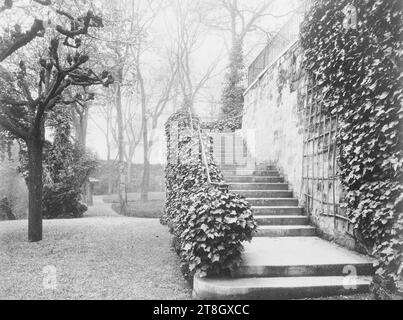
x=231 y=124
x=208 y=224
x=359 y=71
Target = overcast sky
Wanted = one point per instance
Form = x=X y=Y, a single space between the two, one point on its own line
x=213 y=45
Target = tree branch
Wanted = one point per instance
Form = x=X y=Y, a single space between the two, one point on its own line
x=13 y=128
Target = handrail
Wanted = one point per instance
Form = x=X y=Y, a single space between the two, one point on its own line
x=203 y=152
x=223 y=186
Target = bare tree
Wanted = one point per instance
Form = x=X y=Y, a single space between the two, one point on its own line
x=119 y=40
x=105 y=108
x=237 y=18
x=152 y=110
x=188 y=34
x=152 y=103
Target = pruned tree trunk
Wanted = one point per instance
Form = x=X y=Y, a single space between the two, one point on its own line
x=35 y=187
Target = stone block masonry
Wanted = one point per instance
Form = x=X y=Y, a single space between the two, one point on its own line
x=274 y=123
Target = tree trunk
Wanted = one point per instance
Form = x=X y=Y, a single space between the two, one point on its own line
x=122 y=175
x=110 y=169
x=129 y=171
x=83 y=118
x=35 y=188
x=146 y=165
x=146 y=179
x=108 y=155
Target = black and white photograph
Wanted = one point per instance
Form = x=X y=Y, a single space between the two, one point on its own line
x=201 y=155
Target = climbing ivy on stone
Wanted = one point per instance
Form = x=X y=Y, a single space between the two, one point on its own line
x=229 y=124
x=359 y=70
x=208 y=224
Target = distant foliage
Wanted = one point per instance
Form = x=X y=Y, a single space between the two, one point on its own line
x=109 y=172
x=208 y=224
x=13 y=190
x=67 y=167
x=360 y=73
x=232 y=96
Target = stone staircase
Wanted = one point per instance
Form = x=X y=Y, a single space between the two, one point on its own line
x=285 y=259
x=275 y=209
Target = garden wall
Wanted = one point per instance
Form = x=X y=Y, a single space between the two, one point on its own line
x=272 y=117
x=275 y=117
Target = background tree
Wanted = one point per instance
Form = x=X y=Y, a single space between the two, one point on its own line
x=236 y=18
x=189 y=31
x=67 y=167
x=105 y=108
x=155 y=80
x=118 y=47
x=232 y=95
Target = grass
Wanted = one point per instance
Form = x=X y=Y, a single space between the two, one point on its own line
x=100 y=256
x=139 y=209
x=134 y=196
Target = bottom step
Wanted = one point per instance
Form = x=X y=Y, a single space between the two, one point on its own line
x=278 y=288
x=285 y=231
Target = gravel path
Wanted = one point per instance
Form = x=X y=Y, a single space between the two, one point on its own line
x=101 y=256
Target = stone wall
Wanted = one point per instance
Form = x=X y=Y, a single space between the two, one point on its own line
x=273 y=116
x=273 y=127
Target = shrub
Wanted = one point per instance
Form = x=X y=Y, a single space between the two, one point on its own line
x=209 y=224
x=67 y=167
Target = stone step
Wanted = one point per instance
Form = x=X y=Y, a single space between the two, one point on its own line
x=318 y=270
x=299 y=256
x=224 y=167
x=294 y=210
x=265 y=167
x=285 y=231
x=277 y=287
x=257 y=186
x=281 y=220
x=250 y=178
x=278 y=202
x=264 y=193
x=242 y=172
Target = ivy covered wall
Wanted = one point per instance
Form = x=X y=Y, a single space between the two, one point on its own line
x=353 y=51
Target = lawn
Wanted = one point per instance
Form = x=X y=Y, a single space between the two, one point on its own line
x=134 y=196
x=100 y=256
x=139 y=209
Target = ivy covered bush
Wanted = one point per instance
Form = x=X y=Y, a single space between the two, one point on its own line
x=356 y=62
x=208 y=223
x=67 y=167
